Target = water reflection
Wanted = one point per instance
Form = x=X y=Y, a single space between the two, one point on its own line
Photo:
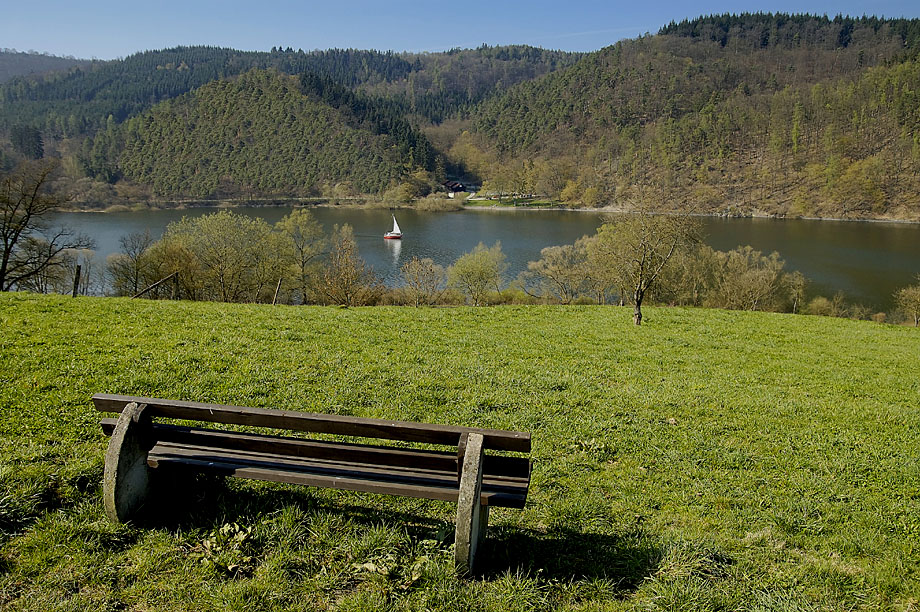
x=395 y=247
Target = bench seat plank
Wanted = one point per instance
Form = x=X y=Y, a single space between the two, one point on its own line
x=493 y=439
x=504 y=491
x=496 y=465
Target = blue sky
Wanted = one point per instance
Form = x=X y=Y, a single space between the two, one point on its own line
x=107 y=29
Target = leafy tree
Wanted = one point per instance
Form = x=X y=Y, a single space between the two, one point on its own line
x=236 y=258
x=476 y=273
x=602 y=278
x=748 y=280
x=641 y=245
x=29 y=246
x=559 y=274
x=796 y=284
x=27 y=141
x=307 y=241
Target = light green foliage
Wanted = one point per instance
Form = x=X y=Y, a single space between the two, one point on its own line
x=908 y=300
x=307 y=243
x=745 y=279
x=639 y=248
x=237 y=258
x=709 y=459
x=478 y=272
x=560 y=274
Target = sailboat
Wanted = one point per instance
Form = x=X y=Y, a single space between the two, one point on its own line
x=395 y=233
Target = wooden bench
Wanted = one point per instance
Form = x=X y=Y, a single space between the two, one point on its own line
x=141 y=448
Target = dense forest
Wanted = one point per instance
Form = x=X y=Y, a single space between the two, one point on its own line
x=15 y=63
x=265 y=132
x=775 y=114
x=731 y=114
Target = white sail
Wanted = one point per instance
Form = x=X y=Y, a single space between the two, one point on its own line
x=396 y=229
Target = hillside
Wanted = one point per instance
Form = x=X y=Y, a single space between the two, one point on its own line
x=20 y=63
x=751 y=114
x=707 y=460
x=733 y=114
x=264 y=133
x=433 y=85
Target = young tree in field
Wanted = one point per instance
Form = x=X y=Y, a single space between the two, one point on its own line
x=424 y=280
x=29 y=246
x=306 y=237
x=908 y=301
x=641 y=245
x=476 y=273
x=346 y=278
x=559 y=274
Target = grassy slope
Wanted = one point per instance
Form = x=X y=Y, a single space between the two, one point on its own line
x=709 y=459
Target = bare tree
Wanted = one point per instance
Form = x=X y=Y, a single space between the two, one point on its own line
x=29 y=246
x=346 y=278
x=424 y=279
x=129 y=268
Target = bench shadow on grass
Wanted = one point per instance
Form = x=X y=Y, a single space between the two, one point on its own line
x=569 y=555
x=565 y=554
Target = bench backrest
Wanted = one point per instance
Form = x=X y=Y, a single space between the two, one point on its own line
x=495 y=439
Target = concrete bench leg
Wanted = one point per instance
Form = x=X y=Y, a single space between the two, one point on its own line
x=472 y=516
x=127 y=476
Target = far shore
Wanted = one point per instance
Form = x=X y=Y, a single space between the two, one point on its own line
x=447 y=206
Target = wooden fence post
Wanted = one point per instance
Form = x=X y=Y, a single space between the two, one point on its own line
x=76 y=281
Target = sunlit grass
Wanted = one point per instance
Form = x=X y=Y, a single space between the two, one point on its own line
x=707 y=460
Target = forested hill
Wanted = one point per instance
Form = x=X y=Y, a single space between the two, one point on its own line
x=15 y=63
x=733 y=114
x=80 y=101
x=772 y=113
x=265 y=132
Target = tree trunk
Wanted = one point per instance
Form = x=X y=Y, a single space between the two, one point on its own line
x=637 y=312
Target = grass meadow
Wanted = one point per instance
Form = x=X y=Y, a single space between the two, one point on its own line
x=708 y=460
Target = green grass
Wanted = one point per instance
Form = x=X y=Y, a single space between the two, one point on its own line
x=707 y=460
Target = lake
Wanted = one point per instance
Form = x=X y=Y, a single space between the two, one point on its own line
x=868 y=261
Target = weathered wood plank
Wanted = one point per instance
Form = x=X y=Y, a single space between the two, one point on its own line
x=337 y=479
x=469 y=507
x=494 y=465
x=494 y=439
x=514 y=487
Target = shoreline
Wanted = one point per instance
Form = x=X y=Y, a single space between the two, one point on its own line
x=301 y=203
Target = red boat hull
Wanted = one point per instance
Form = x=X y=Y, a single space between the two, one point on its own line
x=388 y=237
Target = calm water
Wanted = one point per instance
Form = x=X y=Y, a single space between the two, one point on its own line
x=867 y=261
